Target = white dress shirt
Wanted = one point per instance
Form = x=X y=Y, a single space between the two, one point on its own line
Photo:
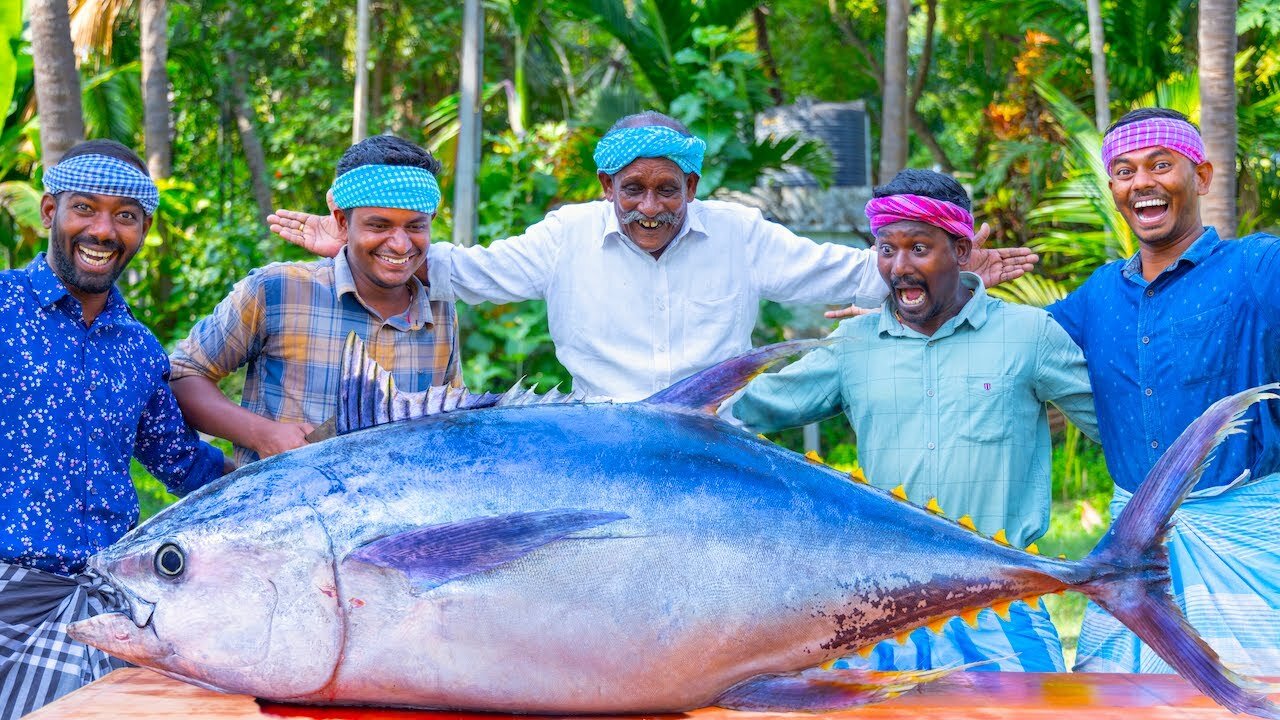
x=626 y=325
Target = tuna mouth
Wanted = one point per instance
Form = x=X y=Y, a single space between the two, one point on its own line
x=130 y=604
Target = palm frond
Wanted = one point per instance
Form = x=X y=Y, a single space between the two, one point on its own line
x=1035 y=290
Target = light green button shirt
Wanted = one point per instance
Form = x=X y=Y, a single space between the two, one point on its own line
x=960 y=416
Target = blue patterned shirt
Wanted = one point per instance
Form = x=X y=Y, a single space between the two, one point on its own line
x=1159 y=353
x=76 y=403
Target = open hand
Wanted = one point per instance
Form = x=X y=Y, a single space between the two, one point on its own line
x=315 y=233
x=279 y=437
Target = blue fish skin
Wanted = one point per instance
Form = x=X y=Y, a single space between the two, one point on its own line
x=717 y=558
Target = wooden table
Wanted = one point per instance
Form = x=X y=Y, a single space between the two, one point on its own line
x=136 y=694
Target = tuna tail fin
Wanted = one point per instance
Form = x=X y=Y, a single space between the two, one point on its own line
x=1128 y=572
x=706 y=390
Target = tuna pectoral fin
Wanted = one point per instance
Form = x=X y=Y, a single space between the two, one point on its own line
x=1128 y=573
x=818 y=690
x=706 y=390
x=432 y=556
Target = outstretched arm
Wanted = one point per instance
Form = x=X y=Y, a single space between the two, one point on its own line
x=209 y=411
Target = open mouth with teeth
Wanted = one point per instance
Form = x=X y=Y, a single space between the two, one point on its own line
x=94 y=257
x=649 y=224
x=1151 y=211
x=395 y=261
x=910 y=296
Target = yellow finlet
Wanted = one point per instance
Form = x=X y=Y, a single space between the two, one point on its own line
x=899 y=492
x=934 y=507
x=967 y=522
x=1033 y=549
x=1031 y=600
x=1062 y=557
x=762 y=437
x=866 y=651
x=829 y=665
x=1001 y=537
x=971 y=617
x=938 y=625
x=1001 y=609
x=857 y=476
x=813 y=456
x=902 y=638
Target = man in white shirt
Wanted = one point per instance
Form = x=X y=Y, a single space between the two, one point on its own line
x=650 y=285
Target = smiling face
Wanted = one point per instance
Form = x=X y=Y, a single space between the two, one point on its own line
x=385 y=246
x=1157 y=191
x=651 y=198
x=921 y=265
x=92 y=238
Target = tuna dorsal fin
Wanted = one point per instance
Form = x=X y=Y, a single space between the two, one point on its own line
x=434 y=555
x=368 y=395
x=704 y=391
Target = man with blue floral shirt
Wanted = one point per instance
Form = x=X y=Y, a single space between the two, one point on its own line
x=83 y=388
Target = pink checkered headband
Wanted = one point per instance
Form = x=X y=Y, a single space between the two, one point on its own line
x=1177 y=135
x=950 y=217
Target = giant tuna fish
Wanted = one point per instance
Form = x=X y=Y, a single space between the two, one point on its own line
x=592 y=558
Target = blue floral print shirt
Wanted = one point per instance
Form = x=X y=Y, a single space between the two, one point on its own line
x=76 y=403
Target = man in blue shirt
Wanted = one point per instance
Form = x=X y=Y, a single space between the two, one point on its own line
x=947 y=390
x=83 y=388
x=1189 y=319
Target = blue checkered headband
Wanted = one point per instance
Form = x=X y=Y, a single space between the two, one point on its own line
x=619 y=148
x=102 y=175
x=388 y=186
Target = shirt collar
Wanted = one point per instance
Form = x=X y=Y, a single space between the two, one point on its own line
x=419 y=306
x=975 y=313
x=692 y=223
x=1203 y=247
x=50 y=290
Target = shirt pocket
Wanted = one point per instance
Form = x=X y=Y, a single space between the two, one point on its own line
x=981 y=412
x=1200 y=345
x=708 y=329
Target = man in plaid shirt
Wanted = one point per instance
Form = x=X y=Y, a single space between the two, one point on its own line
x=289 y=321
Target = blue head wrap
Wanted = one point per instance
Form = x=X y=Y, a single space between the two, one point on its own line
x=619 y=148
x=389 y=186
x=94 y=174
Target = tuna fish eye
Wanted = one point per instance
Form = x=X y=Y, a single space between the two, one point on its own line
x=170 y=561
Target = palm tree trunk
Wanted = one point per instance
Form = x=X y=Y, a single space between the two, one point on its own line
x=155 y=112
x=465 y=198
x=893 y=132
x=155 y=87
x=1218 y=110
x=360 y=113
x=760 y=16
x=1101 y=95
x=57 y=80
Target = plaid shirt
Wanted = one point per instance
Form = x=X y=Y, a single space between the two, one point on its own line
x=289 y=322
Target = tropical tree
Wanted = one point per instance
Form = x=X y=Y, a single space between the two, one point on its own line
x=1218 y=110
x=893 y=133
x=1097 y=47
x=57 y=80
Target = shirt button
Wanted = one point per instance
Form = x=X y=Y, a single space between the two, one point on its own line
x=662 y=305
x=1145 y=340
x=1151 y=293
x=662 y=348
x=1155 y=444
x=930 y=343
x=930 y=446
x=929 y=393
x=1148 y=392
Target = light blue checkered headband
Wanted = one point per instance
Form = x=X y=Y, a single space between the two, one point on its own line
x=619 y=148
x=388 y=186
x=103 y=175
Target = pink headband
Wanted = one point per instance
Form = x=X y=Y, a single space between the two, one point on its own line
x=1177 y=135
x=939 y=213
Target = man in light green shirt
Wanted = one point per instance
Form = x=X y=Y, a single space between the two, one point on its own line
x=947 y=390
